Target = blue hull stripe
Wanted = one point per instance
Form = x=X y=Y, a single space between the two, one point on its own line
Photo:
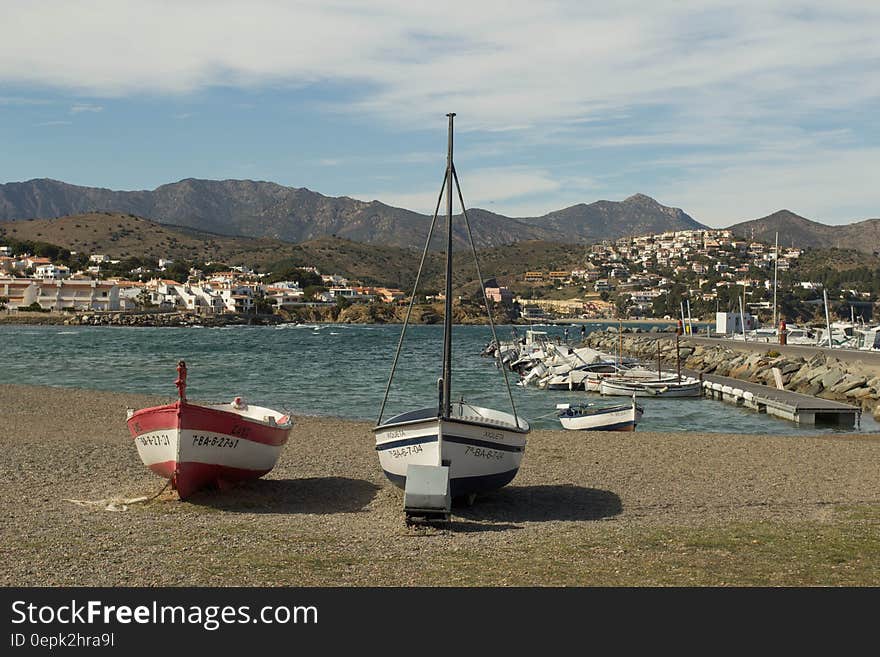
x=602 y=411
x=420 y=440
x=452 y=439
x=465 y=485
x=610 y=427
x=482 y=443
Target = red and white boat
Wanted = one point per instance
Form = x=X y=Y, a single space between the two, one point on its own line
x=201 y=445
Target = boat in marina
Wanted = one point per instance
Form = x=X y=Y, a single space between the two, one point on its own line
x=598 y=417
x=674 y=387
x=594 y=379
x=200 y=445
x=868 y=339
x=474 y=448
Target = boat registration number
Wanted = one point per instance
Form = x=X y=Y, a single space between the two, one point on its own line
x=214 y=441
x=155 y=440
x=400 y=452
x=481 y=452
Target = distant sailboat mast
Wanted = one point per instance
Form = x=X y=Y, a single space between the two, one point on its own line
x=775 y=276
x=446 y=385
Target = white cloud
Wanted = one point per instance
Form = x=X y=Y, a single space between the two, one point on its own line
x=504 y=65
x=78 y=108
x=730 y=76
x=507 y=186
x=828 y=186
x=22 y=100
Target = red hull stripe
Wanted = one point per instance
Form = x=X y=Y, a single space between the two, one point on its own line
x=188 y=477
x=199 y=418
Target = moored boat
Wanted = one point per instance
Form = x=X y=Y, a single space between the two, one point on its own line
x=595 y=417
x=685 y=387
x=201 y=445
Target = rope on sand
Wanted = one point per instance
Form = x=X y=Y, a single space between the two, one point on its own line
x=119 y=503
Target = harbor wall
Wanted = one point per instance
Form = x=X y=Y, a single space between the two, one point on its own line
x=818 y=374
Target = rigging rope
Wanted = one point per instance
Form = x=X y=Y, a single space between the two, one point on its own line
x=467 y=224
x=411 y=302
x=119 y=503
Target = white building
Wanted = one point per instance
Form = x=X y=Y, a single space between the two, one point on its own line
x=78 y=294
x=284 y=297
x=237 y=298
x=732 y=323
x=52 y=271
x=19 y=292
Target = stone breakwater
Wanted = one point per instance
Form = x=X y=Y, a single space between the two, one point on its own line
x=167 y=319
x=819 y=375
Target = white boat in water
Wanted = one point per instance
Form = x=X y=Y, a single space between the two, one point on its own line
x=595 y=417
x=594 y=380
x=477 y=448
x=685 y=387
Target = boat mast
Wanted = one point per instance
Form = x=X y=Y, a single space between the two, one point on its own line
x=775 y=278
x=827 y=318
x=445 y=395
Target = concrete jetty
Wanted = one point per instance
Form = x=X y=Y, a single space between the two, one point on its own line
x=819 y=385
x=796 y=407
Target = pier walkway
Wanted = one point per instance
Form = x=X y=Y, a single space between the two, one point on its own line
x=794 y=406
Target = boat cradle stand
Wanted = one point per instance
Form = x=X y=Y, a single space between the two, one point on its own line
x=426 y=496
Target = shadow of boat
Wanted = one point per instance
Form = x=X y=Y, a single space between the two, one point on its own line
x=319 y=495
x=513 y=504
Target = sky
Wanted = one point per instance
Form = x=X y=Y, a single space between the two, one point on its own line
x=728 y=110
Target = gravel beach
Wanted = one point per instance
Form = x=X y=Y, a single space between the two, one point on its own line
x=587 y=508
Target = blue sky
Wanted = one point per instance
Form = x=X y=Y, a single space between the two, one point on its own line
x=729 y=110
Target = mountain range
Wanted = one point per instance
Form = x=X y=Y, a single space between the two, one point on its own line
x=259 y=209
x=795 y=230
x=265 y=209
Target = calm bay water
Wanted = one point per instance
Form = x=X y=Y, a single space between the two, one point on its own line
x=331 y=370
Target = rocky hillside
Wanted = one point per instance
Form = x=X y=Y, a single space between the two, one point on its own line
x=265 y=209
x=122 y=236
x=608 y=220
x=800 y=232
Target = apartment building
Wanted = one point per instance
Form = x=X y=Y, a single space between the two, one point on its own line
x=19 y=292
x=78 y=294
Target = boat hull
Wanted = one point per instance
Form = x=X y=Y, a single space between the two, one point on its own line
x=481 y=456
x=616 y=418
x=199 y=446
x=651 y=389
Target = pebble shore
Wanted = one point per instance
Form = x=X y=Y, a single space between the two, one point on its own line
x=586 y=508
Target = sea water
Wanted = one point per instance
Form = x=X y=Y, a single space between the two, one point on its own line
x=338 y=370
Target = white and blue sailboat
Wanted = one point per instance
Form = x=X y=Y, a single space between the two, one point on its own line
x=481 y=447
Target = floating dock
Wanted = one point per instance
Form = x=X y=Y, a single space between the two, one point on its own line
x=794 y=406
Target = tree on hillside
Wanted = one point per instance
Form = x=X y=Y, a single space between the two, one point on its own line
x=290 y=273
x=143 y=298
x=310 y=292
x=178 y=271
